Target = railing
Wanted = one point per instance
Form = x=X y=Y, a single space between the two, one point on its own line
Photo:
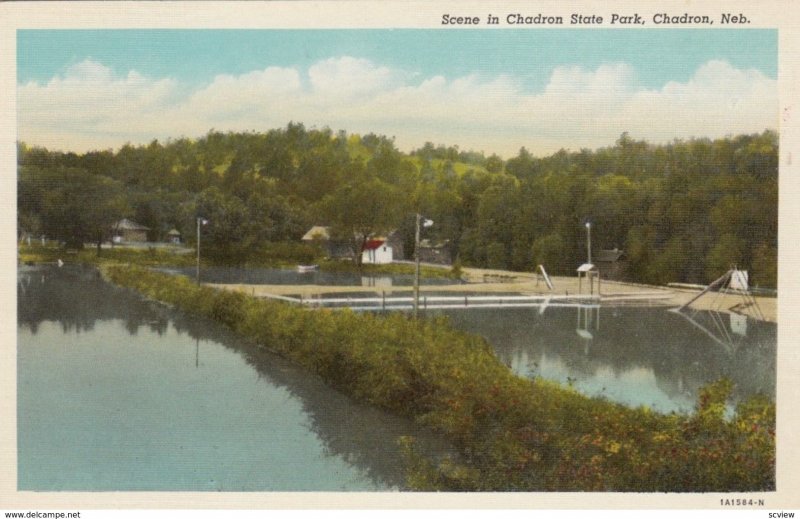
x=442 y=302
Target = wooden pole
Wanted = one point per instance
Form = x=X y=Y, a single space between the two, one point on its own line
x=198 y=250
x=416 y=269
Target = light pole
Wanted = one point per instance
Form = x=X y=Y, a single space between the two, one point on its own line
x=200 y=221
x=426 y=223
x=589 y=242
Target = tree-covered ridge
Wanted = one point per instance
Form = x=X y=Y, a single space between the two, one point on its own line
x=683 y=211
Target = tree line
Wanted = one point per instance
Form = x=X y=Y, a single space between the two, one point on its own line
x=683 y=211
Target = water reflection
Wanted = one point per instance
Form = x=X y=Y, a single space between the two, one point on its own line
x=271 y=276
x=140 y=397
x=364 y=436
x=637 y=356
x=77 y=298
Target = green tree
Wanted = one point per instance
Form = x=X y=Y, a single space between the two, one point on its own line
x=361 y=208
x=726 y=254
x=496 y=255
x=550 y=251
x=669 y=264
x=497 y=211
x=229 y=232
x=494 y=164
x=78 y=207
x=765 y=266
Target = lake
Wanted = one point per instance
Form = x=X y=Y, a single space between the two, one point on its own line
x=635 y=355
x=116 y=393
x=638 y=356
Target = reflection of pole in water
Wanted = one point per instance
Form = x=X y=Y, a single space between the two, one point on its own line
x=197 y=352
x=728 y=345
x=585 y=320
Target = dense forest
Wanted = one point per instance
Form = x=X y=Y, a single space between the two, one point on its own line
x=684 y=211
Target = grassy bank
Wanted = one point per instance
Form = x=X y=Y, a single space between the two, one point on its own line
x=151 y=257
x=283 y=255
x=513 y=433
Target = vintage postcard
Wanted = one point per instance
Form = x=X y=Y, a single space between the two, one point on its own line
x=399 y=255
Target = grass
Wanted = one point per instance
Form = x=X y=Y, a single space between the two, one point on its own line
x=32 y=254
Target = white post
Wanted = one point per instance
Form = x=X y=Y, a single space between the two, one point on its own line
x=200 y=221
x=425 y=223
x=589 y=242
x=416 y=269
x=198 y=250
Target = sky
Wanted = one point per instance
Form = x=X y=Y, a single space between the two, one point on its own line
x=493 y=91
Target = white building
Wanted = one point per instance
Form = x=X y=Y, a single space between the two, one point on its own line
x=377 y=252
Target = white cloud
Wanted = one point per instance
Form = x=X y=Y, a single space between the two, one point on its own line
x=348 y=77
x=89 y=107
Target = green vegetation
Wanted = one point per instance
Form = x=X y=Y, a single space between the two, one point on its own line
x=32 y=254
x=512 y=433
x=274 y=255
x=685 y=211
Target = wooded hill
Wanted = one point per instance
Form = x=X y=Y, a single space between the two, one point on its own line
x=684 y=211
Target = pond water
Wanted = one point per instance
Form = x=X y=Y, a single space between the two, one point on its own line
x=632 y=355
x=271 y=276
x=115 y=393
x=637 y=356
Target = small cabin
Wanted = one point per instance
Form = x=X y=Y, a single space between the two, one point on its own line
x=611 y=263
x=174 y=237
x=439 y=253
x=377 y=252
x=125 y=231
x=340 y=248
x=334 y=249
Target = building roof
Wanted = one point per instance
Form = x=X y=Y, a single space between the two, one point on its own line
x=174 y=232
x=318 y=232
x=373 y=244
x=609 y=256
x=130 y=225
x=323 y=232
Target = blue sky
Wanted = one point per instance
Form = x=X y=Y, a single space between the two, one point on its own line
x=347 y=79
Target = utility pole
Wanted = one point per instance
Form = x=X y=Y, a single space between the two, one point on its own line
x=416 y=268
x=200 y=221
x=426 y=223
x=589 y=242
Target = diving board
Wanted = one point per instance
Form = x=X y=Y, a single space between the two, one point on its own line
x=543 y=274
